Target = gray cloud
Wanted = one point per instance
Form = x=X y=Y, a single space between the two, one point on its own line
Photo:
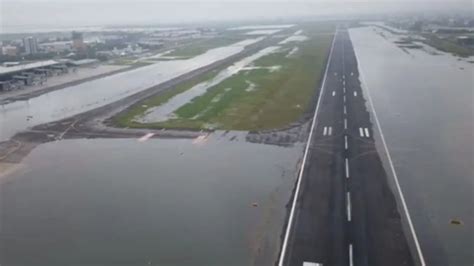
x=22 y=13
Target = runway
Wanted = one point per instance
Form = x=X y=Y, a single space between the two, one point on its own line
x=345 y=211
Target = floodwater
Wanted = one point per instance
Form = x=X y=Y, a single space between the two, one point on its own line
x=160 y=202
x=56 y=105
x=166 y=110
x=296 y=37
x=424 y=102
x=262 y=32
x=263 y=27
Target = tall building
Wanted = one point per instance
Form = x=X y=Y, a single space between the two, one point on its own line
x=31 y=45
x=78 y=41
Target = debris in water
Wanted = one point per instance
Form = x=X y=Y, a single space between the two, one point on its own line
x=456 y=222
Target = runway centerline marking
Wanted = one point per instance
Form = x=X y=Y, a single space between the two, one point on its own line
x=281 y=260
x=306 y=263
x=346 y=144
x=349 y=207
x=347 y=168
x=367 y=132
x=392 y=168
x=351 y=256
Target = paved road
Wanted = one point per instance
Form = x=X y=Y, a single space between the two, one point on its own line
x=345 y=212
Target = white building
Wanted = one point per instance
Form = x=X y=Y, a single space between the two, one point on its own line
x=31 y=45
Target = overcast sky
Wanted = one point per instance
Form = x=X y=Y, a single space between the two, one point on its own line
x=66 y=13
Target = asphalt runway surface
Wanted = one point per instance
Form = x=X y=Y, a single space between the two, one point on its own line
x=345 y=212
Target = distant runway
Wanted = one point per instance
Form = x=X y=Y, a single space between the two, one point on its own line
x=344 y=211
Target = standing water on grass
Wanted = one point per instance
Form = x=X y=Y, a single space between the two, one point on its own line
x=120 y=202
x=166 y=110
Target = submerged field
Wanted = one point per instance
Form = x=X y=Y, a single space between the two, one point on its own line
x=271 y=92
x=198 y=47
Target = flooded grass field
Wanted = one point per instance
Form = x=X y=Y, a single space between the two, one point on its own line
x=20 y=115
x=270 y=89
x=162 y=202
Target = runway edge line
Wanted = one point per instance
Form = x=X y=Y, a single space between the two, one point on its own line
x=365 y=87
x=308 y=143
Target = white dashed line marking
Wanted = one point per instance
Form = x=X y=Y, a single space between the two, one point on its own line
x=306 y=263
x=333 y=93
x=345 y=123
x=355 y=93
x=146 y=137
x=329 y=131
x=349 y=207
x=325 y=130
x=351 y=256
x=361 y=132
x=344 y=90
x=200 y=139
x=345 y=110
x=344 y=98
x=347 y=168
x=346 y=144
x=367 y=132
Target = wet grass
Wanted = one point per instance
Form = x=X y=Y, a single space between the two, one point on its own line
x=279 y=98
x=125 y=119
x=447 y=45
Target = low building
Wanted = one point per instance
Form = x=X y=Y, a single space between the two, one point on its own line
x=56 y=47
x=7 y=73
x=465 y=40
x=84 y=62
x=10 y=50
